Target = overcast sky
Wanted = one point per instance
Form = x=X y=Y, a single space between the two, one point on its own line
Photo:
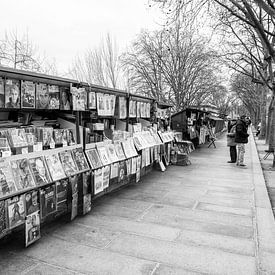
x=64 y=28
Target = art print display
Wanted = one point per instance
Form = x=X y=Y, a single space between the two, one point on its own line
x=67 y=162
x=122 y=170
x=12 y=93
x=39 y=171
x=2 y=93
x=47 y=200
x=100 y=104
x=32 y=228
x=122 y=107
x=119 y=150
x=87 y=203
x=27 y=94
x=98 y=181
x=132 y=108
x=114 y=170
x=7 y=184
x=74 y=206
x=79 y=97
x=16 y=211
x=103 y=155
x=134 y=166
x=138 y=168
x=42 y=96
x=92 y=100
x=55 y=167
x=3 y=220
x=54 y=97
x=79 y=159
x=93 y=158
x=112 y=153
x=32 y=202
x=22 y=174
x=106 y=176
x=65 y=98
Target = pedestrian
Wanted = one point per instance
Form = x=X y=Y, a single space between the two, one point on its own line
x=231 y=140
x=241 y=138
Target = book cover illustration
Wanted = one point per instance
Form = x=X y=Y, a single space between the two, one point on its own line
x=132 y=108
x=112 y=153
x=3 y=221
x=22 y=174
x=55 y=167
x=68 y=163
x=86 y=177
x=79 y=96
x=103 y=155
x=106 y=176
x=91 y=100
x=54 y=97
x=17 y=137
x=134 y=166
x=39 y=171
x=79 y=158
x=74 y=206
x=65 y=98
x=87 y=203
x=138 y=168
x=32 y=228
x=28 y=94
x=7 y=184
x=122 y=170
x=98 y=181
x=100 y=104
x=114 y=170
x=16 y=211
x=119 y=150
x=12 y=93
x=58 y=136
x=47 y=137
x=122 y=108
x=32 y=202
x=2 y=93
x=47 y=201
x=42 y=96
x=93 y=158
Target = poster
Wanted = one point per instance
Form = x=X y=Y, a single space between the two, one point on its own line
x=98 y=181
x=128 y=166
x=32 y=202
x=65 y=98
x=93 y=158
x=42 y=96
x=92 y=100
x=55 y=167
x=16 y=211
x=12 y=93
x=39 y=171
x=112 y=153
x=100 y=104
x=28 y=94
x=62 y=190
x=47 y=200
x=121 y=171
x=79 y=158
x=67 y=162
x=114 y=170
x=87 y=203
x=132 y=108
x=32 y=228
x=106 y=176
x=7 y=184
x=54 y=95
x=122 y=108
x=79 y=97
x=103 y=155
x=112 y=104
x=2 y=93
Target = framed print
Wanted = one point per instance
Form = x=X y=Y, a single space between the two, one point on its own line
x=42 y=96
x=27 y=94
x=65 y=98
x=91 y=100
x=12 y=93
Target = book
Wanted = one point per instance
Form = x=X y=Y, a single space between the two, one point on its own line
x=80 y=159
x=119 y=150
x=2 y=93
x=55 y=167
x=32 y=202
x=112 y=153
x=12 y=93
x=39 y=171
x=67 y=162
x=98 y=181
x=87 y=203
x=16 y=211
x=106 y=176
x=3 y=219
x=7 y=184
x=47 y=200
x=103 y=155
x=27 y=94
x=65 y=98
x=42 y=96
x=32 y=228
x=22 y=175
x=54 y=102
x=93 y=158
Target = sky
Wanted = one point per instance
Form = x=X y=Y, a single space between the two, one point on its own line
x=62 y=29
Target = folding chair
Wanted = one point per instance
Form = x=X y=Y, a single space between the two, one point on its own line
x=268 y=152
x=212 y=142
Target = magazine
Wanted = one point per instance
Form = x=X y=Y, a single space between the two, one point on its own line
x=132 y=108
x=79 y=97
x=17 y=138
x=87 y=203
x=91 y=100
x=80 y=160
x=3 y=220
x=128 y=166
x=54 y=97
x=93 y=158
x=74 y=183
x=32 y=202
x=16 y=211
x=39 y=171
x=98 y=181
x=47 y=200
x=119 y=150
x=32 y=228
x=12 y=93
x=28 y=94
x=61 y=195
x=122 y=170
x=127 y=148
x=106 y=176
x=5 y=150
x=103 y=155
x=2 y=94
x=22 y=174
x=58 y=136
x=42 y=96
x=68 y=163
x=7 y=184
x=114 y=170
x=112 y=104
x=122 y=108
x=55 y=167
x=134 y=166
x=138 y=109
x=100 y=104
x=65 y=98
x=74 y=206
x=86 y=177
x=112 y=153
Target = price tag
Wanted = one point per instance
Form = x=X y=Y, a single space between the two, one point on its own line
x=25 y=150
x=38 y=147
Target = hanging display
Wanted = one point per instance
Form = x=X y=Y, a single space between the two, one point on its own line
x=12 y=93
x=27 y=94
x=91 y=100
x=122 y=108
x=42 y=96
x=54 y=97
x=79 y=97
x=65 y=98
x=2 y=94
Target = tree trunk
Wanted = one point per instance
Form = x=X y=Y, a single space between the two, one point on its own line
x=263 y=113
x=268 y=122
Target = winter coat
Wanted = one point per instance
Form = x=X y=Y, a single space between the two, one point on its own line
x=241 y=135
x=231 y=136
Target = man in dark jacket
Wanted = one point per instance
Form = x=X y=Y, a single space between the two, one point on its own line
x=241 y=138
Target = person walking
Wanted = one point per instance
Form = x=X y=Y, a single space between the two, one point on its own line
x=231 y=141
x=241 y=138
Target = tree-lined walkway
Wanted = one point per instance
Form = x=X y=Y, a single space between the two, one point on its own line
x=210 y=217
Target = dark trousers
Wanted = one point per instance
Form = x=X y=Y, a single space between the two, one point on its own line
x=233 y=153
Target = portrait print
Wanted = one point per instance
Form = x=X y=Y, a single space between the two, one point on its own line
x=12 y=93
x=39 y=171
x=28 y=94
x=42 y=96
x=65 y=98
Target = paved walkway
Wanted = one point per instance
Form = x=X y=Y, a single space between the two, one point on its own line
x=210 y=217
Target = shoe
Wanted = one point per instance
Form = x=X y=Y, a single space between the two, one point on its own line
x=242 y=164
x=230 y=161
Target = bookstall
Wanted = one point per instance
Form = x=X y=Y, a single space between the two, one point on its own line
x=64 y=143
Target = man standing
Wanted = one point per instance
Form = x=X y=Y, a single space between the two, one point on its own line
x=241 y=138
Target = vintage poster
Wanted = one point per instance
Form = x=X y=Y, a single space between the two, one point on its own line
x=12 y=93
x=16 y=211
x=98 y=181
x=7 y=184
x=114 y=170
x=39 y=171
x=100 y=104
x=32 y=202
x=2 y=93
x=119 y=150
x=128 y=166
x=87 y=203
x=112 y=153
x=3 y=220
x=93 y=158
x=67 y=162
x=54 y=97
x=87 y=180
x=138 y=168
x=28 y=94
x=79 y=96
x=32 y=228
x=55 y=167
x=92 y=100
x=79 y=158
x=74 y=206
x=42 y=96
x=122 y=108
x=134 y=166
x=103 y=155
x=107 y=104
x=106 y=176
x=47 y=200
x=132 y=108
x=132 y=146
x=65 y=98
x=122 y=170
x=112 y=104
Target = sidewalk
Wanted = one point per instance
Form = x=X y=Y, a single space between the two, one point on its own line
x=210 y=217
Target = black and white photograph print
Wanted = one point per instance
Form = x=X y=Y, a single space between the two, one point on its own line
x=12 y=93
x=27 y=94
